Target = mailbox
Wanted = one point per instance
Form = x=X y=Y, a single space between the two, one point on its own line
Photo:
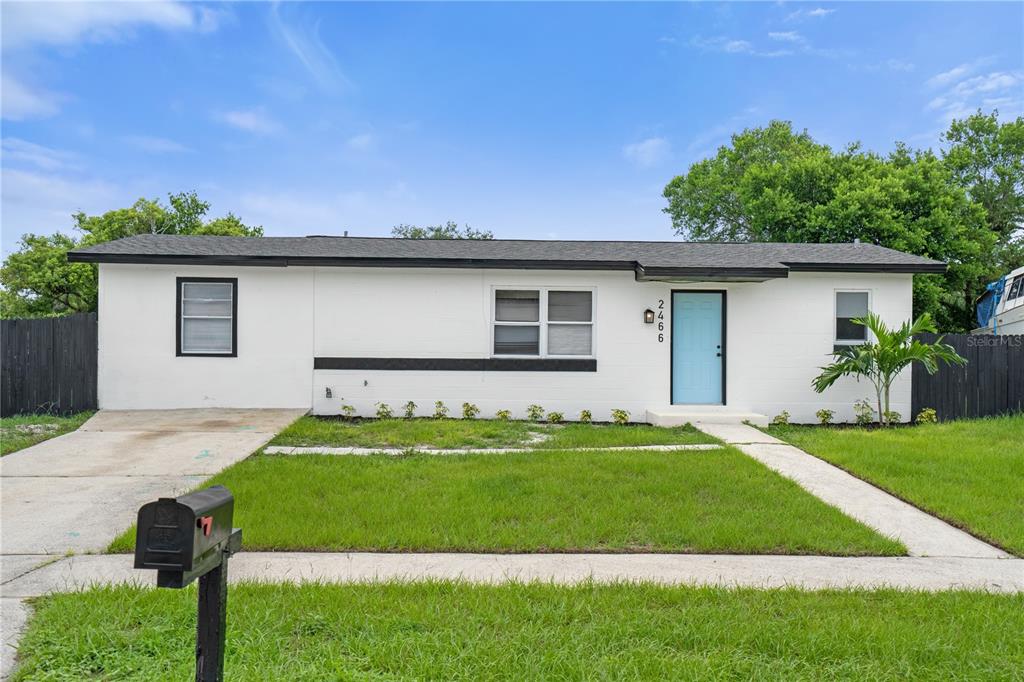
x=185 y=537
x=189 y=537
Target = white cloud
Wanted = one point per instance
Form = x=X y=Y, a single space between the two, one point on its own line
x=361 y=142
x=209 y=20
x=647 y=153
x=43 y=23
x=305 y=44
x=27 y=25
x=20 y=101
x=816 y=13
x=44 y=202
x=963 y=94
x=365 y=210
x=254 y=121
x=899 y=65
x=154 y=145
x=734 y=46
x=22 y=152
x=946 y=78
x=992 y=82
x=786 y=36
x=703 y=144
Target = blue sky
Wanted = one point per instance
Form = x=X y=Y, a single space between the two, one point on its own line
x=531 y=120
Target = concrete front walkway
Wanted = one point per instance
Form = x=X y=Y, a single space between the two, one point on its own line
x=923 y=534
x=809 y=572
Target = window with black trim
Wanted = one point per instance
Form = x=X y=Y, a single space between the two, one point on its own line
x=207 y=312
x=851 y=305
x=543 y=322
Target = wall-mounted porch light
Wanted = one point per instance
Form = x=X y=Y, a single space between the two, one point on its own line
x=648 y=316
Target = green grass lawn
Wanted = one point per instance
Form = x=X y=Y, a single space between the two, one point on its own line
x=684 y=501
x=477 y=433
x=970 y=473
x=453 y=631
x=17 y=433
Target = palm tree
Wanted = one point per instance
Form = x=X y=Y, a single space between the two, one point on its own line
x=892 y=351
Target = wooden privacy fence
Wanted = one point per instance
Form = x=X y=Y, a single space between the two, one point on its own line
x=991 y=383
x=48 y=364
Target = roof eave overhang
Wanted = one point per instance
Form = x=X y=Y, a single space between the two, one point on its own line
x=312 y=261
x=894 y=268
x=642 y=273
x=704 y=274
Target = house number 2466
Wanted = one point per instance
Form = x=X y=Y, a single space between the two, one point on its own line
x=661 y=320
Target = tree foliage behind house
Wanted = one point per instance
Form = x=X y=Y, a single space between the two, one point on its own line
x=38 y=280
x=776 y=184
x=449 y=230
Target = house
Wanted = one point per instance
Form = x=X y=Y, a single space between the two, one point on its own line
x=670 y=331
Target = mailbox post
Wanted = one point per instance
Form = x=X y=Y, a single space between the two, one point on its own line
x=189 y=537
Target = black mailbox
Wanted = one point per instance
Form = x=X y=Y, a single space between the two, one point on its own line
x=189 y=537
x=186 y=537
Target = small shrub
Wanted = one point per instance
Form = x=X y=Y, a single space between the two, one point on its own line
x=893 y=417
x=470 y=411
x=348 y=412
x=440 y=410
x=384 y=411
x=535 y=413
x=781 y=419
x=409 y=410
x=927 y=416
x=503 y=415
x=556 y=417
x=586 y=417
x=825 y=416
x=863 y=413
x=620 y=417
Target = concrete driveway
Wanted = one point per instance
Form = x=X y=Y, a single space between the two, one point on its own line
x=78 y=491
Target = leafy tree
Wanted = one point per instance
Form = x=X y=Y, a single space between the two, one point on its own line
x=38 y=281
x=450 y=230
x=880 y=361
x=987 y=158
x=185 y=215
x=775 y=184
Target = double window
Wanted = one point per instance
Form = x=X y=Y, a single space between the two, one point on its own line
x=207 y=316
x=543 y=322
x=850 y=306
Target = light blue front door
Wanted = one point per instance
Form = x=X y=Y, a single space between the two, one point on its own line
x=697 y=348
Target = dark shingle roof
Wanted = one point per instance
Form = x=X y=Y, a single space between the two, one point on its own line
x=647 y=258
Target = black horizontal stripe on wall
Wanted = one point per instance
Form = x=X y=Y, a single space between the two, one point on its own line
x=461 y=364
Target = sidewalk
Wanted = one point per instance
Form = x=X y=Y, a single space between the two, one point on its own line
x=766 y=571
x=923 y=534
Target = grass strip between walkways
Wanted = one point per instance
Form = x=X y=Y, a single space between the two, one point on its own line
x=477 y=433
x=970 y=472
x=717 y=501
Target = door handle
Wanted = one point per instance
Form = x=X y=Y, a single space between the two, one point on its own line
x=718 y=355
